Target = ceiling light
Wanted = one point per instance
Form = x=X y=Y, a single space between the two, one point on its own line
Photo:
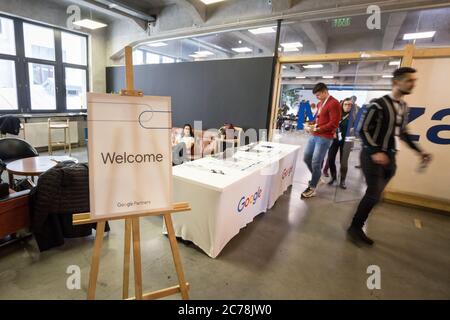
x=157 y=44
x=204 y=53
x=388 y=76
x=262 y=30
x=292 y=45
x=313 y=66
x=394 y=63
x=419 y=35
x=211 y=1
x=291 y=49
x=90 y=24
x=328 y=77
x=284 y=67
x=242 y=50
x=197 y=56
x=300 y=77
x=240 y=41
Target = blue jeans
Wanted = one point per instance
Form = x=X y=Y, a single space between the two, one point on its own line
x=314 y=154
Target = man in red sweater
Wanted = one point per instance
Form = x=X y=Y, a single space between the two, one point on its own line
x=322 y=132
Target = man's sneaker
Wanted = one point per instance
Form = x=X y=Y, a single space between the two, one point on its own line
x=309 y=192
x=357 y=234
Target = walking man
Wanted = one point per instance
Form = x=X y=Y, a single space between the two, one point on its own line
x=384 y=123
x=322 y=131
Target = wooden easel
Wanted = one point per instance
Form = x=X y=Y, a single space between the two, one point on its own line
x=132 y=232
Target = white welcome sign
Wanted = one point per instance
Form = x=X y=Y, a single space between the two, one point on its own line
x=130 y=154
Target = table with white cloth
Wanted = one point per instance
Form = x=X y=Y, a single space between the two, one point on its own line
x=226 y=192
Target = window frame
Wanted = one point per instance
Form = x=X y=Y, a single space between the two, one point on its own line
x=23 y=78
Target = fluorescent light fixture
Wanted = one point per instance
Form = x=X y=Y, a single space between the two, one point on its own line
x=394 y=63
x=262 y=30
x=204 y=53
x=242 y=50
x=387 y=76
x=292 y=45
x=157 y=44
x=419 y=35
x=211 y=1
x=328 y=77
x=313 y=66
x=284 y=67
x=300 y=77
x=90 y=24
x=291 y=49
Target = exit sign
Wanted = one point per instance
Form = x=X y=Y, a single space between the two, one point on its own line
x=341 y=22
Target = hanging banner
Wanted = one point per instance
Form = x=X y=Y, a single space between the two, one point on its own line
x=130 y=154
x=430 y=126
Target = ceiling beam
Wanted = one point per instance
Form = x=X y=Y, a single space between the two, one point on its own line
x=195 y=7
x=283 y=5
x=391 y=32
x=249 y=39
x=222 y=52
x=316 y=34
x=105 y=9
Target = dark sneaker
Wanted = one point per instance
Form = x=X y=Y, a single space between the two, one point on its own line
x=309 y=192
x=358 y=234
x=331 y=182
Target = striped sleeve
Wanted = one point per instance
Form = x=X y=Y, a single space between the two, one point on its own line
x=371 y=128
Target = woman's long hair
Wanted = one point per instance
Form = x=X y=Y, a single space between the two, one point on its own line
x=191 y=132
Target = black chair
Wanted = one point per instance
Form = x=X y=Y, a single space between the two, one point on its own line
x=14 y=148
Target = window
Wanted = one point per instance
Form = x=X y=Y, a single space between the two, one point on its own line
x=8 y=92
x=42 y=86
x=152 y=58
x=73 y=48
x=75 y=88
x=7 y=41
x=39 y=42
x=51 y=64
x=138 y=57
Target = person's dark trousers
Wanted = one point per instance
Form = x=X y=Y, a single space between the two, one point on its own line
x=377 y=177
x=332 y=153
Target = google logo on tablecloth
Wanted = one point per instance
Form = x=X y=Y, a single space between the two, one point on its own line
x=287 y=173
x=251 y=200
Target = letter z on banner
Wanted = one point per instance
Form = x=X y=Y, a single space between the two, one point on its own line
x=130 y=154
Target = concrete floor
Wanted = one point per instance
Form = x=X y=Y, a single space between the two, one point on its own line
x=297 y=250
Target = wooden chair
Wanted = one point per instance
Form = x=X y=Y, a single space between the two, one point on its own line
x=59 y=125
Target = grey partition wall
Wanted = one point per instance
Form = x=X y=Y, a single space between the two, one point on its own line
x=215 y=92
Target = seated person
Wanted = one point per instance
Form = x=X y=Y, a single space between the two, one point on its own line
x=227 y=132
x=183 y=145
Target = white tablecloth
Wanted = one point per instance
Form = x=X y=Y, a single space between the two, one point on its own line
x=226 y=200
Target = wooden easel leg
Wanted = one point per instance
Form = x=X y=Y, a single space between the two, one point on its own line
x=126 y=259
x=95 y=262
x=176 y=256
x=137 y=259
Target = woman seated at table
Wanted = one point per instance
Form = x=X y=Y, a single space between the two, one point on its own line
x=183 y=145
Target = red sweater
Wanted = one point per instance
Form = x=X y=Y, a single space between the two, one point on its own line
x=328 y=118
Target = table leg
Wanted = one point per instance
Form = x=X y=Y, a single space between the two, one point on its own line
x=10 y=179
